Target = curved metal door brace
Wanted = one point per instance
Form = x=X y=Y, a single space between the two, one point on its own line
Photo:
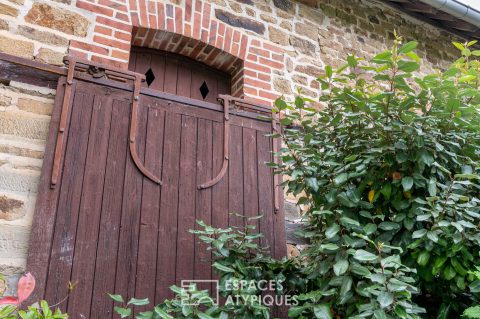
x=133 y=134
x=226 y=131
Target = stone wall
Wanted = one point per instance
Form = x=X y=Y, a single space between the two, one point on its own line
x=24 y=118
x=282 y=46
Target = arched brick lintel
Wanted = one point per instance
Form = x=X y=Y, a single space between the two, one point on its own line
x=190 y=29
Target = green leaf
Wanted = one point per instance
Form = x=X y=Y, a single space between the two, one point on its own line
x=458 y=45
x=401 y=312
x=370 y=229
x=123 y=312
x=432 y=236
x=385 y=299
x=145 y=315
x=345 y=221
x=380 y=314
x=340 y=267
x=439 y=261
x=295 y=311
x=407 y=47
x=386 y=190
x=117 y=298
x=330 y=247
x=423 y=258
x=312 y=182
x=408 y=66
x=162 y=313
x=432 y=187
x=469 y=44
x=407 y=183
x=138 y=302
x=425 y=157
x=382 y=58
x=359 y=270
x=281 y=104
x=363 y=255
x=474 y=286
x=389 y=226
x=331 y=231
x=352 y=62
x=467 y=78
x=223 y=268
x=328 y=71
x=202 y=315
x=419 y=233
x=340 y=179
x=322 y=311
x=449 y=272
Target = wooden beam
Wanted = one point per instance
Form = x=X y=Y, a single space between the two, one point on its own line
x=13 y=68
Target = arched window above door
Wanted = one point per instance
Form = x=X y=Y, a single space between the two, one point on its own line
x=176 y=74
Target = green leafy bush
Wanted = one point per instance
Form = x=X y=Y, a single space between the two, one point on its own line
x=389 y=172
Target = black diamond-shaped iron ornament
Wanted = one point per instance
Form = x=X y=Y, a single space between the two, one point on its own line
x=149 y=76
x=204 y=90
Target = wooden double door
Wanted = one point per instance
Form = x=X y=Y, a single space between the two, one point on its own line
x=107 y=227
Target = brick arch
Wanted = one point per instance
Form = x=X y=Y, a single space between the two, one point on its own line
x=195 y=49
x=188 y=27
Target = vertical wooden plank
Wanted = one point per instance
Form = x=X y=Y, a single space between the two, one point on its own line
x=280 y=239
x=265 y=190
x=197 y=80
x=69 y=202
x=186 y=200
x=104 y=280
x=131 y=209
x=171 y=73
x=184 y=80
x=220 y=190
x=204 y=200
x=45 y=210
x=250 y=181
x=235 y=177
x=142 y=64
x=147 y=250
x=223 y=85
x=131 y=62
x=167 y=245
x=158 y=68
x=84 y=258
x=211 y=80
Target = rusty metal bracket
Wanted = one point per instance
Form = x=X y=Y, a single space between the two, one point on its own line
x=63 y=125
x=133 y=134
x=226 y=137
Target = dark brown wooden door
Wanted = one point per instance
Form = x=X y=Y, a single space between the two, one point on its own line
x=108 y=228
x=175 y=74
